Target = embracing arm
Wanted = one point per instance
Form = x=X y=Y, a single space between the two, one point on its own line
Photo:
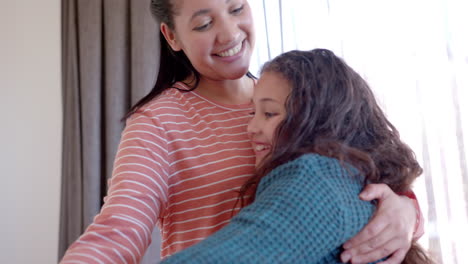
x=386 y=234
x=121 y=232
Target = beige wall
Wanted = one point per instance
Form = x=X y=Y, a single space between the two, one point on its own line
x=30 y=130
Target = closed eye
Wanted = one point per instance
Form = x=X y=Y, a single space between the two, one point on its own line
x=203 y=27
x=237 y=10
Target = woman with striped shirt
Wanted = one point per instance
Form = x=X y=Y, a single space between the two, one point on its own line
x=185 y=152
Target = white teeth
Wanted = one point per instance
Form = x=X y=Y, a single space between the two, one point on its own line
x=231 y=52
x=260 y=147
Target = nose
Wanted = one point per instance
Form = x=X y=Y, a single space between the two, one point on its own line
x=253 y=127
x=228 y=32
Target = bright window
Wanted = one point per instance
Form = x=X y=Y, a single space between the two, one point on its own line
x=414 y=54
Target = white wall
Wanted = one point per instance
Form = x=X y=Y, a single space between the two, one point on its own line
x=30 y=130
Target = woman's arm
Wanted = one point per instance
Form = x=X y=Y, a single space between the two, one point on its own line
x=396 y=223
x=121 y=232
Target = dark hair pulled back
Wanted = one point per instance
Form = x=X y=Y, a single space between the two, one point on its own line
x=174 y=65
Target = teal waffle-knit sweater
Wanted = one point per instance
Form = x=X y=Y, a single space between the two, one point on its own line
x=303 y=212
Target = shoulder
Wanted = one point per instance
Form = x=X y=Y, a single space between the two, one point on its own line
x=312 y=170
x=149 y=118
x=325 y=186
x=173 y=101
x=313 y=159
x=302 y=170
x=170 y=101
x=311 y=163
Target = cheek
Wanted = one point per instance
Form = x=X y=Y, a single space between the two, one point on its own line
x=196 y=48
x=270 y=131
x=248 y=27
x=198 y=58
x=272 y=128
x=247 y=16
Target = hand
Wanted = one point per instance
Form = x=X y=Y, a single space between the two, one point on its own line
x=389 y=232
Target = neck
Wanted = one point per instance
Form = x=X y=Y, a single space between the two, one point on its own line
x=234 y=92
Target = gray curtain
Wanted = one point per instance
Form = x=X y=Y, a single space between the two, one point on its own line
x=110 y=51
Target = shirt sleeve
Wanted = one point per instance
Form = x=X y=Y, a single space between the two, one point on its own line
x=121 y=232
x=295 y=219
x=419 y=226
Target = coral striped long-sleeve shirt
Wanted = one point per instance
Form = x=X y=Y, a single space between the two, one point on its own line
x=181 y=162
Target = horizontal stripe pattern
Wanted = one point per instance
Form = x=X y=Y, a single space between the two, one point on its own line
x=181 y=162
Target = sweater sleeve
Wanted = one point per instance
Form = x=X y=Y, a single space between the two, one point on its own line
x=295 y=218
x=121 y=232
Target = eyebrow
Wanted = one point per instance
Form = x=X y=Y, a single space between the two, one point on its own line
x=199 y=13
x=203 y=11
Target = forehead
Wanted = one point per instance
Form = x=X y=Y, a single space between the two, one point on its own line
x=272 y=85
x=190 y=6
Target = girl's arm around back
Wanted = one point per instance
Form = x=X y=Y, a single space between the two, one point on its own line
x=303 y=212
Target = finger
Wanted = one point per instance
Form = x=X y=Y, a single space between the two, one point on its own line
x=396 y=258
x=373 y=243
x=376 y=225
x=375 y=191
x=382 y=252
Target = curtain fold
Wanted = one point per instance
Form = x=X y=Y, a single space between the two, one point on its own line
x=71 y=193
x=110 y=51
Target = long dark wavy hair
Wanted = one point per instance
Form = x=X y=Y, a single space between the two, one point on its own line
x=332 y=111
x=174 y=65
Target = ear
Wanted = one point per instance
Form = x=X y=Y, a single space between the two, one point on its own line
x=170 y=37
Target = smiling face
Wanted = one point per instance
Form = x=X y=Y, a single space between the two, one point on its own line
x=216 y=35
x=269 y=98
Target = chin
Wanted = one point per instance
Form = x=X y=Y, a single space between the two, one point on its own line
x=237 y=74
x=239 y=68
